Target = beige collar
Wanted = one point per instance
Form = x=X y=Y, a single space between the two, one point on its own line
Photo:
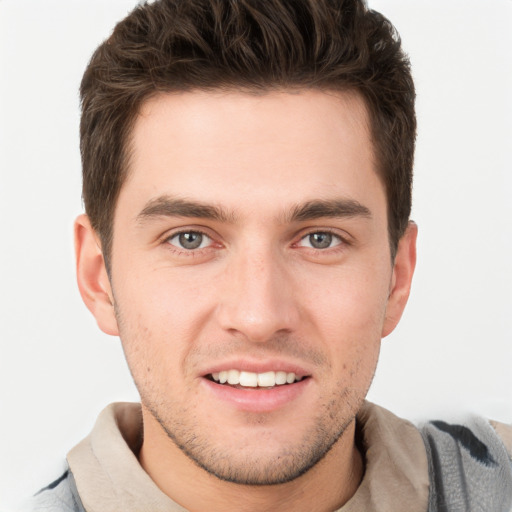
x=109 y=477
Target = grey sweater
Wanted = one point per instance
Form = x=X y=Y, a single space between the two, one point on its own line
x=439 y=467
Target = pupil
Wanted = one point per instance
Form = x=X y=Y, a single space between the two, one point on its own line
x=190 y=240
x=320 y=240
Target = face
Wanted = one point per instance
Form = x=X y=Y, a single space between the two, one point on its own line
x=251 y=275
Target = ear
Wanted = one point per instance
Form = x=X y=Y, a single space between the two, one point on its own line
x=92 y=277
x=403 y=270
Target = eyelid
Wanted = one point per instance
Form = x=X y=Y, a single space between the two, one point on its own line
x=344 y=238
x=169 y=233
x=177 y=235
x=306 y=243
x=165 y=239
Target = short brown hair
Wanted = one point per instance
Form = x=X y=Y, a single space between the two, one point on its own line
x=257 y=45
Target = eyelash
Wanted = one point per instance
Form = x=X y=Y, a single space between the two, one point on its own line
x=182 y=250
x=342 y=242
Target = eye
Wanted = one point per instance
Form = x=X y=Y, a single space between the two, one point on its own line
x=190 y=240
x=320 y=240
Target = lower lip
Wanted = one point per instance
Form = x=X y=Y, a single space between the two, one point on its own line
x=257 y=399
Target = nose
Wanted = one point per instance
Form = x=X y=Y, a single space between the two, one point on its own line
x=258 y=300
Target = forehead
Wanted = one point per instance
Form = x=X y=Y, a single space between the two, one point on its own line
x=260 y=120
x=248 y=150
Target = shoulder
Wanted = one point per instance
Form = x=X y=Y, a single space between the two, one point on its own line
x=469 y=462
x=59 y=496
x=438 y=466
x=483 y=440
x=504 y=432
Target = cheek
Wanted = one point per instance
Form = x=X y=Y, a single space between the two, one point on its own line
x=165 y=299
x=349 y=313
x=351 y=301
x=160 y=318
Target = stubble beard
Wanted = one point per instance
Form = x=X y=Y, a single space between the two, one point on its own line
x=286 y=465
x=181 y=426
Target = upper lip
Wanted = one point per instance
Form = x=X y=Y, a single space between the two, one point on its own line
x=258 y=366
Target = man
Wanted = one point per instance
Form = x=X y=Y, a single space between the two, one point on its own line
x=247 y=183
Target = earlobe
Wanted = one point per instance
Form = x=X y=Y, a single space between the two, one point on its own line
x=92 y=277
x=403 y=270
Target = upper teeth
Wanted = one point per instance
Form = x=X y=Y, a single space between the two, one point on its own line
x=253 y=380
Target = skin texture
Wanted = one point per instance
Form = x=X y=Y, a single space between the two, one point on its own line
x=241 y=172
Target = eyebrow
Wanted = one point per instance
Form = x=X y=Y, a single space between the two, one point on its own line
x=330 y=208
x=167 y=206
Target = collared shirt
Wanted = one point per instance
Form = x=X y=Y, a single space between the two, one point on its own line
x=105 y=475
x=109 y=477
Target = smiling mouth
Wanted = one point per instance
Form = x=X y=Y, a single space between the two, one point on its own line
x=243 y=379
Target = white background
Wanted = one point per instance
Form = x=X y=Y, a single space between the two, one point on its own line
x=453 y=349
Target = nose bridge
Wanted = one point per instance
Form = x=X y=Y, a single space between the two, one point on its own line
x=258 y=300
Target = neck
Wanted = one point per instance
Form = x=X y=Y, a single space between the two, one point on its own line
x=325 y=487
